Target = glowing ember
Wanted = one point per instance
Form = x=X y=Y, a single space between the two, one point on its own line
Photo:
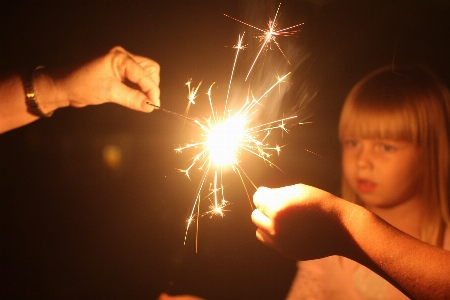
x=225 y=139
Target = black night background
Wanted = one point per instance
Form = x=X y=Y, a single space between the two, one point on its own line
x=74 y=227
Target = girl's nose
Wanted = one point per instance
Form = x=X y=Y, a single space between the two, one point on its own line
x=363 y=159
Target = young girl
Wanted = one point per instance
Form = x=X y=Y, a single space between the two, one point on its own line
x=394 y=131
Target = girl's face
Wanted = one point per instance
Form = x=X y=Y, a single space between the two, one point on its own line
x=383 y=173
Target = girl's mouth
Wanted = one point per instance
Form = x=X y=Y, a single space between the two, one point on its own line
x=365 y=185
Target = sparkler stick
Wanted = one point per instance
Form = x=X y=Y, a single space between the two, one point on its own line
x=165 y=110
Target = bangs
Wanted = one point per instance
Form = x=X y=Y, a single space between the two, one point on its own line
x=374 y=119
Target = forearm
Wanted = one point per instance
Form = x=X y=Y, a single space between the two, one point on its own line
x=13 y=109
x=418 y=269
x=102 y=80
x=304 y=223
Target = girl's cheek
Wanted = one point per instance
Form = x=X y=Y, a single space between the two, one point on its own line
x=347 y=170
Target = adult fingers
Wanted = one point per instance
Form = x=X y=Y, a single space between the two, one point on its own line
x=150 y=66
x=146 y=78
x=130 y=98
x=145 y=73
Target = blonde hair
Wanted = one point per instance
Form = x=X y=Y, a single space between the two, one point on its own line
x=409 y=104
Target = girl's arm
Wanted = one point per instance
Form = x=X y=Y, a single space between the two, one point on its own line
x=419 y=270
x=305 y=223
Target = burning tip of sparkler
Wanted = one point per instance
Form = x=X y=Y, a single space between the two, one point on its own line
x=224 y=140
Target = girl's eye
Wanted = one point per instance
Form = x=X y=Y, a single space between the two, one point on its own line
x=387 y=147
x=351 y=143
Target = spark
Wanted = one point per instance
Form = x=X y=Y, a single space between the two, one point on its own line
x=224 y=137
x=192 y=94
x=269 y=35
x=239 y=46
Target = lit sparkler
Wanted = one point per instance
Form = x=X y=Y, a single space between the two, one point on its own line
x=224 y=138
x=226 y=135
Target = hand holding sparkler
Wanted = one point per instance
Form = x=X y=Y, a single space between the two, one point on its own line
x=304 y=223
x=301 y=222
x=26 y=97
x=104 y=80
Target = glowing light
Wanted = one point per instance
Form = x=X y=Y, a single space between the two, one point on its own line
x=225 y=139
x=226 y=135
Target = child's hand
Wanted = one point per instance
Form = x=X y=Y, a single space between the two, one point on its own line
x=300 y=221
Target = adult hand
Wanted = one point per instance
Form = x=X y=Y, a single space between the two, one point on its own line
x=118 y=76
x=110 y=79
x=300 y=221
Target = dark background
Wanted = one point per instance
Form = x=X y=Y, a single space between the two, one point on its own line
x=72 y=227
